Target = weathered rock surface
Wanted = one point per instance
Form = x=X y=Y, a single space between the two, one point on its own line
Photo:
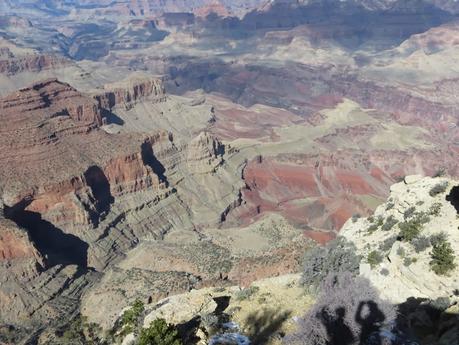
x=126 y=93
x=405 y=272
x=85 y=197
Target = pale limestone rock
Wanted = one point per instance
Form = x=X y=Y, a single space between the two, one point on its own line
x=129 y=339
x=202 y=337
x=417 y=279
x=412 y=179
x=173 y=311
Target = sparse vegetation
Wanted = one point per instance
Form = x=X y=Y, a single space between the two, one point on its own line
x=435 y=209
x=374 y=258
x=355 y=217
x=390 y=223
x=421 y=243
x=410 y=230
x=387 y=244
x=443 y=258
x=440 y=172
x=390 y=205
x=79 y=331
x=246 y=293
x=210 y=323
x=131 y=317
x=384 y=272
x=159 y=333
x=408 y=261
x=409 y=212
x=438 y=238
x=338 y=255
x=438 y=189
x=376 y=224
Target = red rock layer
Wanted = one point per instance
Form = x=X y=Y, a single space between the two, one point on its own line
x=58 y=163
x=321 y=192
x=15 y=243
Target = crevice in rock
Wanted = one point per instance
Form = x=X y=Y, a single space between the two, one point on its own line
x=150 y=160
x=223 y=302
x=55 y=245
x=453 y=198
x=100 y=188
x=111 y=117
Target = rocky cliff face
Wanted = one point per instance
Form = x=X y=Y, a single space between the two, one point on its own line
x=77 y=198
x=29 y=63
x=126 y=93
x=60 y=176
x=204 y=153
x=398 y=242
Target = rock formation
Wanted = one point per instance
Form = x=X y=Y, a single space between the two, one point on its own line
x=127 y=92
x=428 y=206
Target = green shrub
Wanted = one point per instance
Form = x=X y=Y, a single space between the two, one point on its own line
x=389 y=224
x=159 y=333
x=410 y=230
x=338 y=255
x=438 y=238
x=390 y=205
x=409 y=212
x=441 y=303
x=438 y=189
x=442 y=258
x=130 y=317
x=385 y=272
x=387 y=244
x=81 y=332
x=421 y=243
x=422 y=218
x=355 y=217
x=376 y=224
x=374 y=258
x=435 y=209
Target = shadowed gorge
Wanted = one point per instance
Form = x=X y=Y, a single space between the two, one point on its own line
x=57 y=247
x=100 y=188
x=149 y=159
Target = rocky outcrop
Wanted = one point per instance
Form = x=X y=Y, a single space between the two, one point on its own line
x=17 y=250
x=67 y=184
x=30 y=63
x=280 y=298
x=59 y=99
x=204 y=153
x=86 y=197
x=402 y=233
x=126 y=93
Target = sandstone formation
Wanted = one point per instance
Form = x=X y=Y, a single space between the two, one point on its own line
x=30 y=63
x=126 y=93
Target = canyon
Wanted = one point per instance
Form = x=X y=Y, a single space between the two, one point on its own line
x=149 y=148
